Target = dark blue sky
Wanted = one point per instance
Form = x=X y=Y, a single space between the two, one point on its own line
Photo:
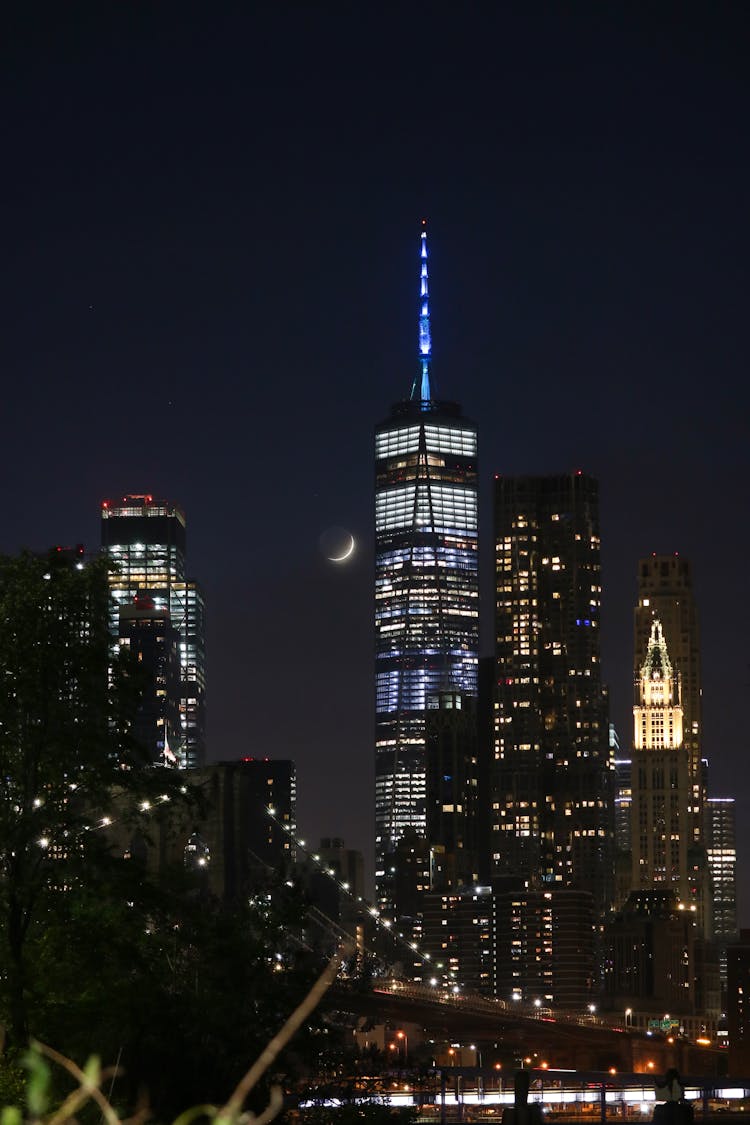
x=210 y=235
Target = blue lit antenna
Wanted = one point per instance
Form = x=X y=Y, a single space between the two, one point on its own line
x=425 y=339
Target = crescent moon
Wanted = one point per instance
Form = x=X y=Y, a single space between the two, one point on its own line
x=346 y=554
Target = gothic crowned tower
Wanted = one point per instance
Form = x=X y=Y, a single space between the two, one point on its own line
x=661 y=819
x=426 y=589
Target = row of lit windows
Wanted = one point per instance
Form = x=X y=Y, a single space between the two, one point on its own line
x=439 y=506
x=438 y=439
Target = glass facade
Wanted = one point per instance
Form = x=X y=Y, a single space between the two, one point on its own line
x=145 y=539
x=426 y=601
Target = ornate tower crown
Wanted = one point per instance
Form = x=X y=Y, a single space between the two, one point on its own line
x=657 y=665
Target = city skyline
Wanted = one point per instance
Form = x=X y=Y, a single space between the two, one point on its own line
x=210 y=296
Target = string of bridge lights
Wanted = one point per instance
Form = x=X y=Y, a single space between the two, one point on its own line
x=384 y=924
x=145 y=806
x=381 y=923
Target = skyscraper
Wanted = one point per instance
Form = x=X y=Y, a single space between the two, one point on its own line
x=665 y=593
x=551 y=777
x=145 y=540
x=665 y=590
x=426 y=588
x=148 y=634
x=660 y=815
x=721 y=843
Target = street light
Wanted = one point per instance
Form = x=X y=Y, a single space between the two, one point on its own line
x=404 y=1041
x=628 y=1017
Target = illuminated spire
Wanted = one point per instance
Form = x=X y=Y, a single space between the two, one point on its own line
x=421 y=389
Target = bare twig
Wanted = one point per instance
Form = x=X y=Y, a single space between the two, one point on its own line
x=87 y=1088
x=275 y=1103
x=232 y=1109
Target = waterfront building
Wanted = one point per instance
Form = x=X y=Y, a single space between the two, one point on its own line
x=458 y=935
x=552 y=775
x=426 y=590
x=544 y=946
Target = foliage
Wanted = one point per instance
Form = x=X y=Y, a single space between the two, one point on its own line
x=42 y=1104
x=95 y=956
x=66 y=754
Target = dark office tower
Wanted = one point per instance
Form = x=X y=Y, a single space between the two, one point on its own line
x=721 y=847
x=248 y=823
x=552 y=775
x=426 y=590
x=453 y=787
x=738 y=1005
x=721 y=844
x=148 y=635
x=623 y=803
x=145 y=539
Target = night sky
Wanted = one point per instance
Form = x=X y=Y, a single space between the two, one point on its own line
x=210 y=223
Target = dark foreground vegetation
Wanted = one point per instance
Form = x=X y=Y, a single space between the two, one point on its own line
x=179 y=992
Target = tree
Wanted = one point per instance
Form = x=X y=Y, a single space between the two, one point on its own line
x=66 y=707
x=95 y=957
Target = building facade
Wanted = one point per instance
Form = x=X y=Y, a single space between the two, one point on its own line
x=426 y=590
x=665 y=593
x=453 y=788
x=145 y=539
x=552 y=773
x=148 y=635
x=249 y=824
x=661 y=817
x=545 y=946
x=721 y=846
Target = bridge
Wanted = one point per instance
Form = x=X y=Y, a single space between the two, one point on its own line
x=563 y=1040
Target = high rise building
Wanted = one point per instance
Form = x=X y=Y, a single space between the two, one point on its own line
x=721 y=845
x=426 y=589
x=149 y=636
x=146 y=541
x=544 y=946
x=453 y=787
x=661 y=821
x=458 y=934
x=552 y=776
x=188 y=610
x=665 y=593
